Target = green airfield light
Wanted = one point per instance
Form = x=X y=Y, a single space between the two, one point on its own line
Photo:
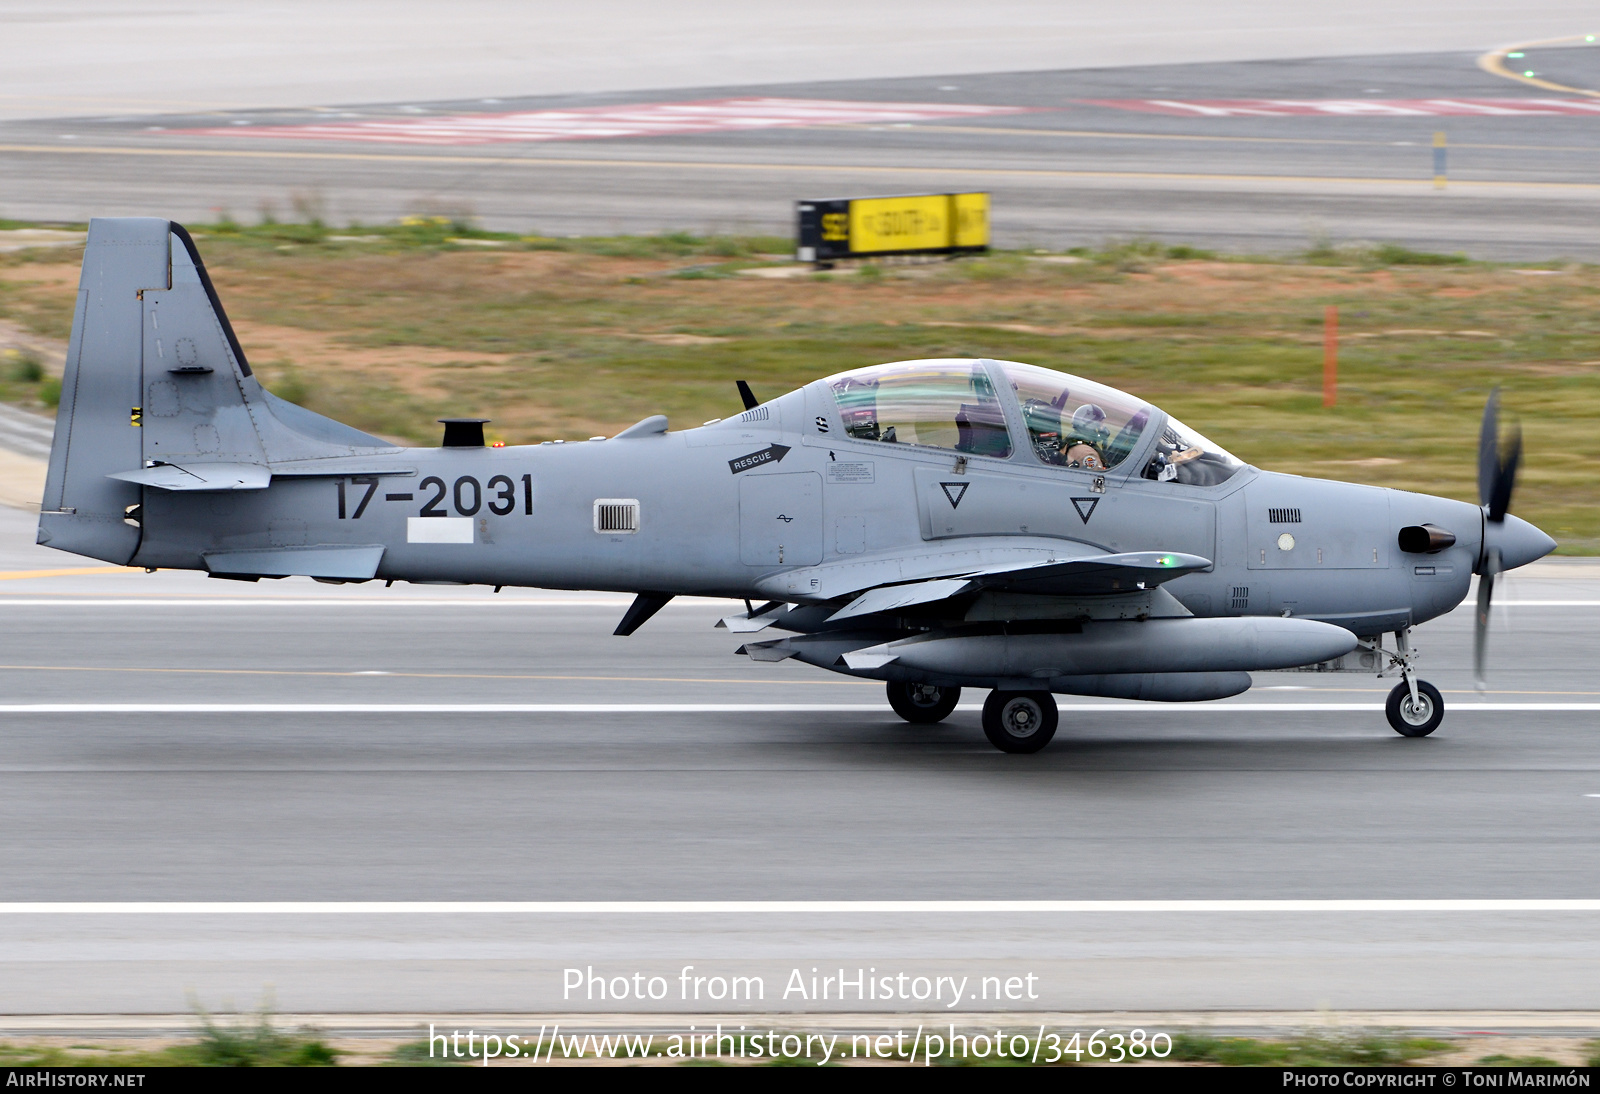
x=1519 y=56
x=1528 y=73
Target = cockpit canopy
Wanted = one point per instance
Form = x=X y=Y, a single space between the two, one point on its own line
x=1070 y=422
x=936 y=404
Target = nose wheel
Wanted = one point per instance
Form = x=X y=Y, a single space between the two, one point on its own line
x=1019 y=721
x=1415 y=712
x=1415 y=707
x=922 y=704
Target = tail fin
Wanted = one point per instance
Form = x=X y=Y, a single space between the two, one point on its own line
x=155 y=376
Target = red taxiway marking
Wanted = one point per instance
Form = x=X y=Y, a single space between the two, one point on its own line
x=601 y=122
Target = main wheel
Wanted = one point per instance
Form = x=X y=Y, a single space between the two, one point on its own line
x=1415 y=719
x=1019 y=721
x=922 y=704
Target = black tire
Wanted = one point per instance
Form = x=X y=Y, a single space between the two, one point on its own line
x=1415 y=721
x=1019 y=721
x=922 y=704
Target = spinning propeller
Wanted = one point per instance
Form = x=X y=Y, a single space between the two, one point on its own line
x=1497 y=475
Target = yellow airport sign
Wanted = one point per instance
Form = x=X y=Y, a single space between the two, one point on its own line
x=904 y=224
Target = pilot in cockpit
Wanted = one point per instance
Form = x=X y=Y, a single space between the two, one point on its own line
x=1085 y=443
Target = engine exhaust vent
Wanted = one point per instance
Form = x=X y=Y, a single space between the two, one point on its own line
x=616 y=516
x=1425 y=539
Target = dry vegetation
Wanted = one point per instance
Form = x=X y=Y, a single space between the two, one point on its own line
x=575 y=338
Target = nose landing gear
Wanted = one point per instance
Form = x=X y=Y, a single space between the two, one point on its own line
x=1415 y=707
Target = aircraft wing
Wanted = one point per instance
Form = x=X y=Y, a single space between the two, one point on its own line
x=1094 y=575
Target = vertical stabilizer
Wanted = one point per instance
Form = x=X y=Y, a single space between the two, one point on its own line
x=97 y=425
x=156 y=378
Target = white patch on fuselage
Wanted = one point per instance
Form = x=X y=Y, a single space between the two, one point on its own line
x=439 y=530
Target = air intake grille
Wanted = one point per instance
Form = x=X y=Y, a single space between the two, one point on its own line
x=616 y=516
x=759 y=414
x=1283 y=516
x=1241 y=597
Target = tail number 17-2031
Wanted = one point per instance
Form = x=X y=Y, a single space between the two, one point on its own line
x=498 y=495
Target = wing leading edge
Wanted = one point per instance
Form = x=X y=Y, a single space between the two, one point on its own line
x=1095 y=575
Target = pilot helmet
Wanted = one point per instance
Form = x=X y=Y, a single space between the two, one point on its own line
x=1089 y=424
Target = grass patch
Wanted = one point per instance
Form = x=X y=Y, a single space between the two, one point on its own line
x=389 y=327
x=416 y=1054
x=1502 y=1060
x=1392 y=254
x=1305 y=1050
x=23 y=380
x=1323 y=252
x=246 y=1041
x=255 y=1042
x=460 y=232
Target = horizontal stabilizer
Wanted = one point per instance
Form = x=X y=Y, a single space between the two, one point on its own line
x=200 y=476
x=347 y=563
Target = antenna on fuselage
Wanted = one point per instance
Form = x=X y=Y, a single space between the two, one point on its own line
x=749 y=397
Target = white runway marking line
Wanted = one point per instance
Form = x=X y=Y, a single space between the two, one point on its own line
x=779 y=907
x=1369 y=108
x=717 y=708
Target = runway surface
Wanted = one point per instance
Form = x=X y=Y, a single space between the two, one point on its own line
x=144 y=55
x=660 y=768
x=1070 y=170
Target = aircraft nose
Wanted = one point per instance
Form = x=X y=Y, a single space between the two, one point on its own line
x=1519 y=542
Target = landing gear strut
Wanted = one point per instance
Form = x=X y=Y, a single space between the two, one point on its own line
x=1019 y=721
x=1415 y=707
x=922 y=704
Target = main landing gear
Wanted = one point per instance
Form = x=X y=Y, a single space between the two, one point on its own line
x=1415 y=707
x=1019 y=721
x=1014 y=721
x=922 y=704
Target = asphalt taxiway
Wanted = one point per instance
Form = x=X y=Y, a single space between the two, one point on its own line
x=214 y=787
x=1069 y=170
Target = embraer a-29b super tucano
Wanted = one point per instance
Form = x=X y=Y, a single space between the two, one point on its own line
x=937 y=525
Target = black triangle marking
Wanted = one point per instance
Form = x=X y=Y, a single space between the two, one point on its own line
x=954 y=492
x=1085 y=507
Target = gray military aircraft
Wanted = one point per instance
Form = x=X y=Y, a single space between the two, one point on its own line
x=938 y=525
